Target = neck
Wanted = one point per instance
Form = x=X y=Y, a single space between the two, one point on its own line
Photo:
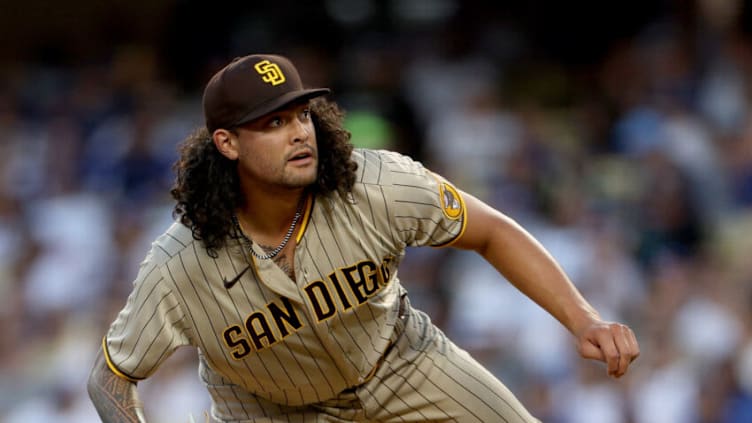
x=270 y=214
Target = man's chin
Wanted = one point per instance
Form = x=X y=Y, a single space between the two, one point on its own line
x=301 y=181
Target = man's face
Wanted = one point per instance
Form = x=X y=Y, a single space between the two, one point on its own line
x=279 y=149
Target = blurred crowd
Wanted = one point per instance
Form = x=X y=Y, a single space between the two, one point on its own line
x=634 y=169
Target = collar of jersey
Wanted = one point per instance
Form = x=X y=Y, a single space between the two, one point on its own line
x=306 y=216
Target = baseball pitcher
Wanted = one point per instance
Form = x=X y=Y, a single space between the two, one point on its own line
x=281 y=270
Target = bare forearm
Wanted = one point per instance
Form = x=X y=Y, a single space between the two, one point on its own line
x=530 y=268
x=115 y=399
x=526 y=264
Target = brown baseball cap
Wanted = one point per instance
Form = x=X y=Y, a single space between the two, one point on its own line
x=250 y=87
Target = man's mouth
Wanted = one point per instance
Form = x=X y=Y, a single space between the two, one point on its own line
x=302 y=155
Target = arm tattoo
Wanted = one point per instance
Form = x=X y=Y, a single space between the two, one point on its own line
x=115 y=399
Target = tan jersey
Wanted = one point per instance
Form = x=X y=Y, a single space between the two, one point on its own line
x=289 y=342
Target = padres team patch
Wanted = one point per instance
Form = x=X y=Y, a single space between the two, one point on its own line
x=451 y=203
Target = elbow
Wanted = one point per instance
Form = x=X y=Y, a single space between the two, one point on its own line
x=94 y=382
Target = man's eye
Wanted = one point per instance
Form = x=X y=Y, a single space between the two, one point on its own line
x=275 y=122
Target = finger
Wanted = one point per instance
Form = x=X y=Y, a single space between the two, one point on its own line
x=623 y=344
x=589 y=350
x=610 y=352
x=599 y=344
x=634 y=345
x=628 y=347
x=632 y=348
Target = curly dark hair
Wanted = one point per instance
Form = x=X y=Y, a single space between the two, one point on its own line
x=207 y=189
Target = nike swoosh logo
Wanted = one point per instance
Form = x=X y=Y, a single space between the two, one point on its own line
x=233 y=281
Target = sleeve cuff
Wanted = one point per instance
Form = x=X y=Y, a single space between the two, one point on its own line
x=112 y=367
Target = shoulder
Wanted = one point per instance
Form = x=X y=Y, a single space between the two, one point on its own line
x=173 y=255
x=384 y=166
x=176 y=239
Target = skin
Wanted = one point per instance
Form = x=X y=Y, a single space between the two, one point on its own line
x=529 y=267
x=115 y=398
x=495 y=236
x=277 y=159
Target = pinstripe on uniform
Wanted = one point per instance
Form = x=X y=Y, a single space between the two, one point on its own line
x=314 y=348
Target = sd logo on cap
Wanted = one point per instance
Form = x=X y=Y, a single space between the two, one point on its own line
x=250 y=87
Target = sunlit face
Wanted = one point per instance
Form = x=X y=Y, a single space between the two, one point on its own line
x=279 y=149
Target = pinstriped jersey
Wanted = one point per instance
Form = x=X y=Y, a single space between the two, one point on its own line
x=289 y=341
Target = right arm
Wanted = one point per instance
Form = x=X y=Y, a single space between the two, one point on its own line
x=115 y=398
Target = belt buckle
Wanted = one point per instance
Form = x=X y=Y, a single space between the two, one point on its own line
x=402 y=311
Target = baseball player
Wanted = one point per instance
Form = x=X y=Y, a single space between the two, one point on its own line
x=282 y=271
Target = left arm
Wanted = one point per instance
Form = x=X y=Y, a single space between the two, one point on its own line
x=528 y=266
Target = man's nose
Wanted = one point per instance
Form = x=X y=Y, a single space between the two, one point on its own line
x=301 y=131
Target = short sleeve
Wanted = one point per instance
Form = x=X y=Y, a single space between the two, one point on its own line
x=426 y=208
x=148 y=329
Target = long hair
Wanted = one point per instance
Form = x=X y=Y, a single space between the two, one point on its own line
x=207 y=188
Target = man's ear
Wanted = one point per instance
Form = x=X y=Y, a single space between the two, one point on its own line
x=226 y=143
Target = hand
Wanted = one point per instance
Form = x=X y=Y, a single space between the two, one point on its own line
x=613 y=343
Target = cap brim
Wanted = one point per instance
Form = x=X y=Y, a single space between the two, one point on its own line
x=280 y=102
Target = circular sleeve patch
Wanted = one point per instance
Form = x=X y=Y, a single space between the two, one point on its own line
x=451 y=202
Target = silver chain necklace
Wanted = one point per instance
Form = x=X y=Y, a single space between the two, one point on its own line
x=273 y=253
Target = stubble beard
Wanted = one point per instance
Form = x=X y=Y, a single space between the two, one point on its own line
x=300 y=179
